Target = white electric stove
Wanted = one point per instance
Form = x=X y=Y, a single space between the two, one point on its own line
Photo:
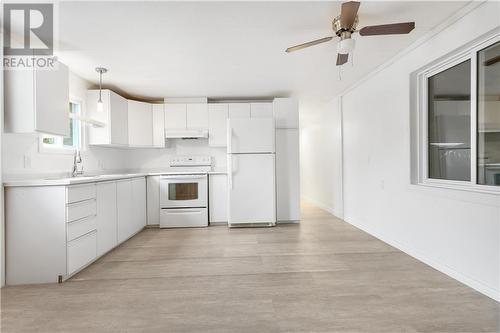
x=184 y=192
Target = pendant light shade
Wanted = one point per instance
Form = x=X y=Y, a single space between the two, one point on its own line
x=100 y=105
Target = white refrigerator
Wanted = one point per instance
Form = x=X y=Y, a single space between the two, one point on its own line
x=251 y=172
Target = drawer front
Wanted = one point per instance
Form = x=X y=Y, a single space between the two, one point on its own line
x=81 y=227
x=183 y=218
x=80 y=193
x=82 y=251
x=80 y=210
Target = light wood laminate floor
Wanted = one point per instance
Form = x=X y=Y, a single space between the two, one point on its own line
x=320 y=276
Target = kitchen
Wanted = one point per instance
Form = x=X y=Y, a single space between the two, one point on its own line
x=256 y=183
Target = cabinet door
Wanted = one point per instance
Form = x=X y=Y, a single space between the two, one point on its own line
x=218 y=198
x=52 y=100
x=124 y=213
x=197 y=116
x=239 y=110
x=175 y=116
x=118 y=118
x=140 y=124
x=139 y=203
x=286 y=112
x=217 y=125
x=153 y=200
x=106 y=217
x=158 y=126
x=261 y=110
x=287 y=175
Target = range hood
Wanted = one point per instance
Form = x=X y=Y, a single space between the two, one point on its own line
x=186 y=134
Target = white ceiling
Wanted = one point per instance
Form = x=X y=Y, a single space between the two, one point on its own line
x=229 y=49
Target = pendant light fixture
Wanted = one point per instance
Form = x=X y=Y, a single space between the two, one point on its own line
x=100 y=105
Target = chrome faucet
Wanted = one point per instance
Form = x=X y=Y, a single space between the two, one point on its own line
x=77 y=160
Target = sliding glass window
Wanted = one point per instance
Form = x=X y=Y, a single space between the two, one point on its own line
x=459 y=112
x=488 y=115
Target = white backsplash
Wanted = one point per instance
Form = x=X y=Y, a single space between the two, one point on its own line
x=22 y=158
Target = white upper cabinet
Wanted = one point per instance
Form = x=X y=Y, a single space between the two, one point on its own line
x=261 y=110
x=37 y=100
x=239 y=110
x=114 y=115
x=197 y=116
x=158 y=126
x=175 y=116
x=217 y=125
x=286 y=112
x=140 y=124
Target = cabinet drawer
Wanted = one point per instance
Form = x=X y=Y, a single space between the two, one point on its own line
x=183 y=217
x=81 y=227
x=80 y=193
x=82 y=251
x=79 y=210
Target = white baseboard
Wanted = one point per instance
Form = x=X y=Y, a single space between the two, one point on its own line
x=425 y=258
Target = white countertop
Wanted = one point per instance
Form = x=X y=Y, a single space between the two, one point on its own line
x=62 y=180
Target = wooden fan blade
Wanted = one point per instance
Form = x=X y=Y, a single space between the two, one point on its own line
x=312 y=43
x=342 y=58
x=388 y=29
x=348 y=13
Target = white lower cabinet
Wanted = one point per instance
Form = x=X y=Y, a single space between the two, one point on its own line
x=124 y=209
x=153 y=200
x=138 y=203
x=217 y=198
x=131 y=207
x=52 y=232
x=106 y=217
x=82 y=251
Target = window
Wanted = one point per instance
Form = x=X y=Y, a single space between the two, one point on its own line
x=449 y=123
x=488 y=115
x=65 y=144
x=458 y=140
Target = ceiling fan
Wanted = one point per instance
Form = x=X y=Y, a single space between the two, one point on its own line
x=345 y=25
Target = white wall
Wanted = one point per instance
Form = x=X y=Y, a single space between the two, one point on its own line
x=321 y=156
x=456 y=232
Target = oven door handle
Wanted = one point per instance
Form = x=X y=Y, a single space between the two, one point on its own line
x=183 y=177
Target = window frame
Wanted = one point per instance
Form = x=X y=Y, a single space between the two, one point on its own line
x=60 y=148
x=422 y=76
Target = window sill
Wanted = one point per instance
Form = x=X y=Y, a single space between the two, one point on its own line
x=485 y=189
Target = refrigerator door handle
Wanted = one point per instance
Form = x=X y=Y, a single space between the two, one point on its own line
x=229 y=133
x=230 y=172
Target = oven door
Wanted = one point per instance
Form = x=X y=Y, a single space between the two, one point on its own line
x=183 y=191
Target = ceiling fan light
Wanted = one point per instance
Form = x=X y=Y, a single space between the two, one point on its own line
x=345 y=46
